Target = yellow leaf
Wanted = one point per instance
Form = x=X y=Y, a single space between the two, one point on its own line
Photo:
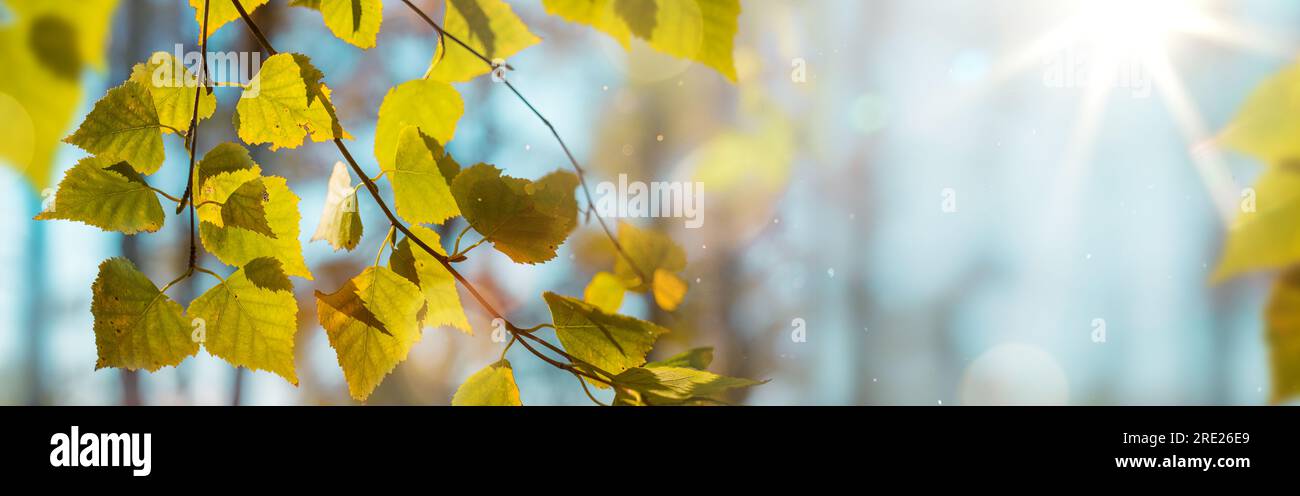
x=354 y=21
x=699 y=30
x=124 y=126
x=668 y=289
x=488 y=26
x=45 y=46
x=432 y=106
x=110 y=197
x=435 y=282
x=650 y=251
x=492 y=386
x=136 y=325
x=225 y=169
x=1268 y=238
x=340 y=219
x=251 y=318
x=1267 y=125
x=284 y=102
x=221 y=12
x=245 y=208
x=419 y=187
x=526 y=220
x=371 y=323
x=172 y=87
x=605 y=291
x=613 y=343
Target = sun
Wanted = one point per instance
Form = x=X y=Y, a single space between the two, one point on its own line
x=1138 y=26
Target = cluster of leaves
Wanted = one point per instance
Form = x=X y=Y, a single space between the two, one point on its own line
x=1267 y=236
x=249 y=220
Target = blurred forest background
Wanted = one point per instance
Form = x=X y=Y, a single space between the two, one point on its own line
x=823 y=202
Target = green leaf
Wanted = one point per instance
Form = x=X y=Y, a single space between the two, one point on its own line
x=136 y=325
x=110 y=197
x=419 y=188
x=525 y=220
x=698 y=358
x=237 y=246
x=340 y=220
x=172 y=86
x=488 y=26
x=246 y=208
x=221 y=12
x=611 y=342
x=251 y=318
x=354 y=21
x=663 y=386
x=1269 y=237
x=365 y=352
x=605 y=291
x=284 y=102
x=435 y=282
x=123 y=126
x=699 y=30
x=492 y=386
x=1268 y=123
x=433 y=106
x=225 y=157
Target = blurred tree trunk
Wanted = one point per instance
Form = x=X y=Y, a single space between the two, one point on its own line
x=35 y=321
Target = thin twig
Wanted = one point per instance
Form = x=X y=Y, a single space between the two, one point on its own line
x=456 y=248
x=193 y=138
x=252 y=26
x=444 y=260
x=374 y=193
x=582 y=175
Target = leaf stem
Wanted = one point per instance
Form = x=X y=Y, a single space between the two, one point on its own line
x=459 y=256
x=211 y=273
x=456 y=248
x=588 y=391
x=188 y=272
x=561 y=365
x=164 y=194
x=384 y=244
x=513 y=338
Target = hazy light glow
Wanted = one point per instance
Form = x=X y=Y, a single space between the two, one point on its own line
x=1137 y=35
x=1138 y=25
